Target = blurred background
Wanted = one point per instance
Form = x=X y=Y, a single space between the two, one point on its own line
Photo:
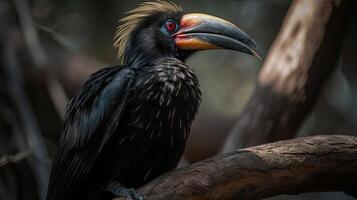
x=55 y=45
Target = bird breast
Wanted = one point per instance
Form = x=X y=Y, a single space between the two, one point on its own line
x=165 y=96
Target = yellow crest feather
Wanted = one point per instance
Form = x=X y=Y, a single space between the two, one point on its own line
x=134 y=17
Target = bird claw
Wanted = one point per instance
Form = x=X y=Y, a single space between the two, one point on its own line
x=119 y=190
x=130 y=194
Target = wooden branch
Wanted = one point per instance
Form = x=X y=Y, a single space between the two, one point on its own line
x=319 y=163
x=302 y=57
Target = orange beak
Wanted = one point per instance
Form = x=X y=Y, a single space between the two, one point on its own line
x=202 y=32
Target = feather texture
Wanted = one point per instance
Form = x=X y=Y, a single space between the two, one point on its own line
x=134 y=19
x=128 y=123
x=93 y=108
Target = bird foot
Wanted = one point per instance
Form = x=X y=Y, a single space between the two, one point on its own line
x=120 y=190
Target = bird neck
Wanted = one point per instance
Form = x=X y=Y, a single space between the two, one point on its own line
x=139 y=60
x=138 y=54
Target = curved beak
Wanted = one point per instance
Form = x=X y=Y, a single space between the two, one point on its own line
x=200 y=32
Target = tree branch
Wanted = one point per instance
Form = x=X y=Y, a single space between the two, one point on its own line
x=319 y=163
x=16 y=158
x=303 y=56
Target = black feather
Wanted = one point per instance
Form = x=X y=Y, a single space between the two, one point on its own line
x=83 y=138
x=128 y=124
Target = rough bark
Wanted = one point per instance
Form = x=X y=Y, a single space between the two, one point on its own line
x=319 y=163
x=302 y=57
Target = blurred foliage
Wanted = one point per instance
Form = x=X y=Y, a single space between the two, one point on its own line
x=78 y=36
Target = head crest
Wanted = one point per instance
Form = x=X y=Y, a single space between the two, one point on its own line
x=134 y=17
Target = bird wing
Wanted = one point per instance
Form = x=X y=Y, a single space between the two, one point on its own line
x=88 y=126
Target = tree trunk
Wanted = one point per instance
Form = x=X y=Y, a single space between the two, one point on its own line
x=303 y=56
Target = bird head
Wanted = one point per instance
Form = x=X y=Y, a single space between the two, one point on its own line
x=160 y=28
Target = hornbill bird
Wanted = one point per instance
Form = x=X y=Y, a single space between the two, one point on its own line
x=128 y=124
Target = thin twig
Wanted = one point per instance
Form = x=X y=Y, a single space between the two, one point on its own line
x=15 y=158
x=39 y=57
x=27 y=133
x=57 y=37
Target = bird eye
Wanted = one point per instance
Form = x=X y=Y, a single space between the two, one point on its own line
x=171 y=26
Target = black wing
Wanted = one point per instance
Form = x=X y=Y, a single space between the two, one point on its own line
x=91 y=118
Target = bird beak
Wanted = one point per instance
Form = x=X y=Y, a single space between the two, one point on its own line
x=200 y=32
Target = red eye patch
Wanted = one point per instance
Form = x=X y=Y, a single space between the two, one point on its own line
x=170 y=26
